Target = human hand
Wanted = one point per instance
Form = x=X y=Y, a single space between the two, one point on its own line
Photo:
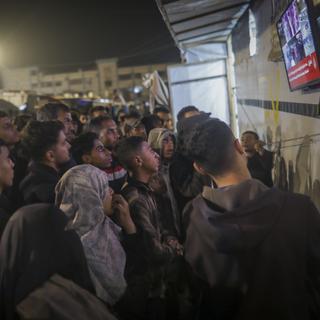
x=122 y=213
x=173 y=243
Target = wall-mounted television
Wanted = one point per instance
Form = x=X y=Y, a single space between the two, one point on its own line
x=298 y=33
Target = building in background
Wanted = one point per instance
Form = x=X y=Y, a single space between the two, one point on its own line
x=98 y=79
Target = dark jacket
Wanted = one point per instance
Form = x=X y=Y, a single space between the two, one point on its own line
x=257 y=251
x=38 y=186
x=186 y=182
x=21 y=159
x=260 y=167
x=5 y=212
x=34 y=246
x=147 y=218
x=148 y=257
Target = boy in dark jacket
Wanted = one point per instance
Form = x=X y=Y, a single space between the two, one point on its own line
x=147 y=264
x=256 y=249
x=49 y=151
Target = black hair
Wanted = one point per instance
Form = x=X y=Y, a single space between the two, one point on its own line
x=83 y=145
x=133 y=115
x=40 y=136
x=251 y=132
x=22 y=120
x=184 y=110
x=126 y=149
x=210 y=144
x=3 y=114
x=50 y=111
x=133 y=112
x=97 y=108
x=95 y=125
x=151 y=121
x=161 y=109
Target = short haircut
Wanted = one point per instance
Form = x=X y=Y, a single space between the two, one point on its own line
x=133 y=115
x=83 y=145
x=3 y=114
x=151 y=121
x=50 y=111
x=251 y=132
x=126 y=149
x=132 y=124
x=161 y=109
x=210 y=144
x=96 y=124
x=97 y=108
x=40 y=136
x=184 y=110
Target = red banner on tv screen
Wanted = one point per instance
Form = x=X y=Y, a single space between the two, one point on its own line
x=304 y=72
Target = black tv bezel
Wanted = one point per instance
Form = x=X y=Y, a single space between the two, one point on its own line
x=313 y=26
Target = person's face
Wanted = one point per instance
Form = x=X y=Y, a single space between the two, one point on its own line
x=8 y=132
x=168 y=147
x=69 y=129
x=169 y=124
x=109 y=134
x=163 y=116
x=150 y=160
x=99 y=157
x=139 y=131
x=60 y=151
x=248 y=142
x=6 y=168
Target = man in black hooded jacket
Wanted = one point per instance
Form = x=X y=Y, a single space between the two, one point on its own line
x=255 y=249
x=187 y=183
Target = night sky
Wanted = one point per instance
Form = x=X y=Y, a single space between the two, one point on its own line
x=52 y=33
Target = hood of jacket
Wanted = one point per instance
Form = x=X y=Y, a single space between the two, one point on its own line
x=226 y=222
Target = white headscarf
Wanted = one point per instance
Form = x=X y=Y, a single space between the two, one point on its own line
x=79 y=194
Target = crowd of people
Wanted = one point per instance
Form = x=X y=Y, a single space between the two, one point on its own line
x=120 y=217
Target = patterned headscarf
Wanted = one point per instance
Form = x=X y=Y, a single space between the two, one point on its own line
x=79 y=194
x=156 y=137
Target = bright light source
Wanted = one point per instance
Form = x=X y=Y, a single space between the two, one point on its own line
x=252 y=34
x=137 y=89
x=23 y=107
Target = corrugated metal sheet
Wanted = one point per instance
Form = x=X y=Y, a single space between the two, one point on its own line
x=195 y=22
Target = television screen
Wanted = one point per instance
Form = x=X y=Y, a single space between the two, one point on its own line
x=298 y=45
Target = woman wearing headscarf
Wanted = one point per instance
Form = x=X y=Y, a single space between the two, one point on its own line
x=163 y=141
x=35 y=246
x=85 y=198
